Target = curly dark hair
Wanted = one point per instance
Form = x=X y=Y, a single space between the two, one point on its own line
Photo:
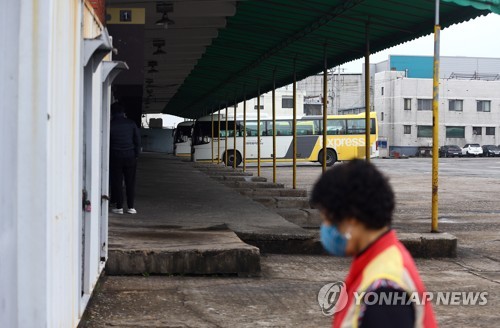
x=355 y=189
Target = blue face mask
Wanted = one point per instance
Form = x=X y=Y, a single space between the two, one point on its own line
x=332 y=240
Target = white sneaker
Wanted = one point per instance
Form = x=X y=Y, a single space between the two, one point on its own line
x=131 y=211
x=117 y=210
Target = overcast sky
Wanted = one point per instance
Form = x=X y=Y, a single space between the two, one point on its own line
x=475 y=38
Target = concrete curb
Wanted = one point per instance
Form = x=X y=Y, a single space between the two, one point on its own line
x=420 y=245
x=304 y=218
x=272 y=192
x=429 y=245
x=253 y=185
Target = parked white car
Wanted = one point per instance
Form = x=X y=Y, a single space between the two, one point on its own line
x=472 y=150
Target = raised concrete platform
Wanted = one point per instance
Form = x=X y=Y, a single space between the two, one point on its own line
x=177 y=251
x=420 y=245
x=293 y=205
x=189 y=223
x=181 y=212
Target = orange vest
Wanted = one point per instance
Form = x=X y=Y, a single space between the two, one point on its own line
x=385 y=259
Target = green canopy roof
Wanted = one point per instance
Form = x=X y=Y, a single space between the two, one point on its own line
x=491 y=5
x=268 y=37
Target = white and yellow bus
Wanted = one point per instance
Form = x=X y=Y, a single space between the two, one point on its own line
x=182 y=139
x=345 y=139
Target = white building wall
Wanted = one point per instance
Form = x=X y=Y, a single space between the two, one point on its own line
x=40 y=190
x=397 y=88
x=62 y=158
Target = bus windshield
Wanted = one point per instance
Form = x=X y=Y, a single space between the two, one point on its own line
x=182 y=133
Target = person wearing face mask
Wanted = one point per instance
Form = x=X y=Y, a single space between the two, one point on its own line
x=356 y=204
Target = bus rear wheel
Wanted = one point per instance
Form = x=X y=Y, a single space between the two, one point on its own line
x=230 y=158
x=331 y=157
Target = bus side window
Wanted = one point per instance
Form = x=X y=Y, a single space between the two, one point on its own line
x=356 y=126
x=335 y=127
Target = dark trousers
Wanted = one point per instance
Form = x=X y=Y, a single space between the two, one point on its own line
x=121 y=169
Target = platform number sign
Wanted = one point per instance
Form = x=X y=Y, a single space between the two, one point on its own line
x=125 y=15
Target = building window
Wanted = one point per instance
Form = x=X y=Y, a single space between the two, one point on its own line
x=455 y=132
x=477 y=130
x=407 y=104
x=456 y=105
x=382 y=116
x=424 y=131
x=407 y=129
x=261 y=103
x=287 y=102
x=490 y=131
x=484 y=106
x=382 y=91
x=424 y=104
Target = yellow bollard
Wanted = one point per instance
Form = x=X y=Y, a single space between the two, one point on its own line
x=212 y=140
x=218 y=137
x=435 y=129
x=225 y=140
x=325 y=109
x=367 y=97
x=274 y=126
x=244 y=134
x=258 y=129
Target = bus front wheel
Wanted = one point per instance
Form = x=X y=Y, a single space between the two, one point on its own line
x=331 y=157
x=230 y=158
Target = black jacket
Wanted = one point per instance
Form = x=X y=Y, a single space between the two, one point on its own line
x=125 y=139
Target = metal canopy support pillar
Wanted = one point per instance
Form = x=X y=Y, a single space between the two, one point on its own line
x=244 y=133
x=226 y=155
x=234 y=137
x=212 y=141
x=435 y=123
x=218 y=136
x=258 y=128
x=274 y=125
x=367 y=96
x=325 y=111
x=294 y=127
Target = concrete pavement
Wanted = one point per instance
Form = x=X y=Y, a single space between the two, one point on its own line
x=285 y=293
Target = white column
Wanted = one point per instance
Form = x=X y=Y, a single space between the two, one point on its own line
x=9 y=21
x=32 y=109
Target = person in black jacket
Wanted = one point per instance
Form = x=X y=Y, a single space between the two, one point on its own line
x=124 y=145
